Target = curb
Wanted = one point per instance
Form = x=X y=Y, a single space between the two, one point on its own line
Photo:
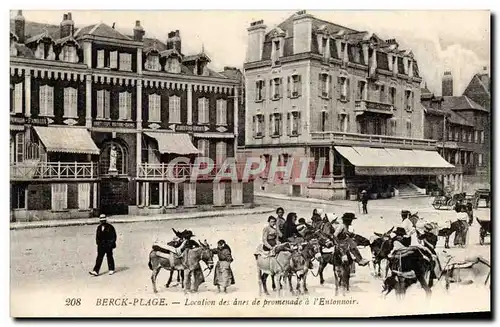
x=205 y=214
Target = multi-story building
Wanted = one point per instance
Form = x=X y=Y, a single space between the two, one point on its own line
x=320 y=90
x=461 y=128
x=237 y=74
x=98 y=115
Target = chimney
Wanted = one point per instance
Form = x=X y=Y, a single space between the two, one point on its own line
x=447 y=84
x=67 y=26
x=19 y=26
x=174 y=41
x=138 y=31
x=256 y=36
x=302 y=32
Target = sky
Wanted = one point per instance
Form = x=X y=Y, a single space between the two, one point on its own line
x=458 y=41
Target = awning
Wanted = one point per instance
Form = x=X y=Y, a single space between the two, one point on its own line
x=66 y=139
x=387 y=161
x=177 y=143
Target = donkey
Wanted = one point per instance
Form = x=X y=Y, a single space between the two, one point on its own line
x=300 y=262
x=276 y=266
x=380 y=248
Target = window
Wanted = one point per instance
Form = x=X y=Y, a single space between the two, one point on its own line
x=480 y=159
x=154 y=107
x=476 y=136
x=294 y=123
x=69 y=54
x=103 y=104
x=482 y=136
x=174 y=109
x=295 y=86
x=173 y=65
x=237 y=193
x=59 y=196
x=40 y=51
x=70 y=102
x=464 y=136
x=154 y=194
x=203 y=113
x=18 y=196
x=18 y=148
x=204 y=147
x=113 y=59
x=100 y=59
x=17 y=105
x=259 y=89
x=125 y=106
x=360 y=93
x=324 y=85
x=383 y=95
x=221 y=112
x=83 y=195
x=276 y=52
x=408 y=128
x=457 y=134
x=258 y=121
x=46 y=101
x=126 y=61
x=275 y=124
x=220 y=153
x=394 y=126
x=219 y=194
x=324 y=120
x=470 y=137
x=153 y=63
x=408 y=100
x=343 y=122
x=276 y=88
x=189 y=194
x=343 y=84
x=392 y=95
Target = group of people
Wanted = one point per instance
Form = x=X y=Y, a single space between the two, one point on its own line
x=106 y=242
x=280 y=231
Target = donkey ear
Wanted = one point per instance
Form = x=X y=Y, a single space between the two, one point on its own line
x=378 y=234
x=389 y=231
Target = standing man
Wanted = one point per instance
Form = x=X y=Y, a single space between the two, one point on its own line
x=280 y=221
x=364 y=201
x=106 y=241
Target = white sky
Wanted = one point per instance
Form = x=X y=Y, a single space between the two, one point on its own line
x=441 y=40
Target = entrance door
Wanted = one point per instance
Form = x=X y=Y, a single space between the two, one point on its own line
x=114 y=196
x=170 y=195
x=295 y=190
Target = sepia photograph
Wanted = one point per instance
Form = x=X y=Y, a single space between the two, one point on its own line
x=245 y=163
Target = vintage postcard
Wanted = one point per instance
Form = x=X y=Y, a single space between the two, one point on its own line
x=249 y=163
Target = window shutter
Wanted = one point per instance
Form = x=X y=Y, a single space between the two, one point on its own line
x=320 y=84
x=299 y=85
x=299 y=123
x=338 y=88
x=331 y=87
x=348 y=93
x=18 y=98
x=100 y=104
x=67 y=103
x=113 y=59
x=254 y=126
x=107 y=104
x=288 y=124
x=288 y=87
x=281 y=122
x=257 y=84
x=348 y=123
x=271 y=125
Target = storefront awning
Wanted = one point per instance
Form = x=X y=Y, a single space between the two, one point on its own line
x=66 y=139
x=387 y=161
x=176 y=143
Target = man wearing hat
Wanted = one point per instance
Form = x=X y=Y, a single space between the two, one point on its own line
x=429 y=238
x=406 y=224
x=364 y=201
x=106 y=241
x=343 y=235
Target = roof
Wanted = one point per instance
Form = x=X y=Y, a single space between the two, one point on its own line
x=232 y=73
x=66 y=39
x=102 y=30
x=176 y=143
x=196 y=56
x=67 y=140
x=457 y=119
x=33 y=28
x=461 y=102
x=36 y=38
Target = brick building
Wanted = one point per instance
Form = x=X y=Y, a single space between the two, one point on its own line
x=97 y=115
x=465 y=126
x=320 y=90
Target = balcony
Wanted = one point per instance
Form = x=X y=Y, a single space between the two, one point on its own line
x=342 y=138
x=36 y=170
x=163 y=171
x=372 y=106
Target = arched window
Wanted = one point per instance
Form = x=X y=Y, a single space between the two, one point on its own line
x=121 y=158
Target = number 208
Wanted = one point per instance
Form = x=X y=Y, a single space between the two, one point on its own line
x=72 y=302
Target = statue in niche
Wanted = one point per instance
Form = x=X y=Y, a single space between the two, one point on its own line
x=112 y=160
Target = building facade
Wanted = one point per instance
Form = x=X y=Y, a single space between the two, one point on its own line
x=98 y=115
x=461 y=127
x=319 y=90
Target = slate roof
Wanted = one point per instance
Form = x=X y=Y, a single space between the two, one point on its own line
x=461 y=102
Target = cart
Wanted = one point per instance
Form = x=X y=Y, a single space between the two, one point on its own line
x=446 y=202
x=484 y=230
x=482 y=194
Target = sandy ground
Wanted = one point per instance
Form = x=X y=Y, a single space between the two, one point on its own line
x=49 y=268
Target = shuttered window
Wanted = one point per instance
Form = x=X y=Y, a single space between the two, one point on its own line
x=103 y=104
x=18 y=98
x=174 y=109
x=154 y=107
x=59 y=196
x=221 y=112
x=203 y=113
x=125 y=106
x=46 y=101
x=70 y=103
x=237 y=193
x=83 y=196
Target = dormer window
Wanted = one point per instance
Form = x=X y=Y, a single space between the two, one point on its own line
x=276 y=51
x=126 y=61
x=153 y=62
x=40 y=51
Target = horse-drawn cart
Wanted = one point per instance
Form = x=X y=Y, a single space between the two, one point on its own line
x=447 y=202
x=484 y=230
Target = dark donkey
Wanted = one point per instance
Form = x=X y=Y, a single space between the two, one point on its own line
x=455 y=227
x=300 y=262
x=380 y=248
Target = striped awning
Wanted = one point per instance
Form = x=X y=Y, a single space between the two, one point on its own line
x=67 y=140
x=176 y=143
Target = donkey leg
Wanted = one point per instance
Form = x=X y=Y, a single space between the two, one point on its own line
x=321 y=267
x=423 y=283
x=304 y=283
x=273 y=282
x=335 y=274
x=170 y=278
x=154 y=275
x=289 y=277
x=263 y=278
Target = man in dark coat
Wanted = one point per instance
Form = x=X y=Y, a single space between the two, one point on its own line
x=364 y=201
x=105 y=239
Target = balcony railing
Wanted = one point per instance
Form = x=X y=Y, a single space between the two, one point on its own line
x=354 y=138
x=164 y=171
x=53 y=170
x=372 y=106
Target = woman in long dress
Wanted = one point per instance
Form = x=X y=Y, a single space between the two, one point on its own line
x=223 y=275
